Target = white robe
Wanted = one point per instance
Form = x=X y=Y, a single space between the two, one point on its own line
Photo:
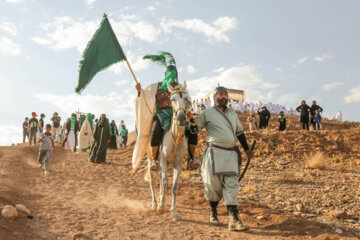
x=70 y=143
x=144 y=109
x=86 y=135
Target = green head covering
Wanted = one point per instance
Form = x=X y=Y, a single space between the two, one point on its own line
x=220 y=89
x=72 y=122
x=89 y=117
x=167 y=60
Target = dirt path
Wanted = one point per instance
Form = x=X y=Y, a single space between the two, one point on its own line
x=82 y=200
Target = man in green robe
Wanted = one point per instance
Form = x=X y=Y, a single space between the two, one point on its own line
x=101 y=140
x=220 y=167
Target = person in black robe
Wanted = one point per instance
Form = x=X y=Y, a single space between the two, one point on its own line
x=113 y=134
x=313 y=108
x=264 y=116
x=99 y=147
x=304 y=110
x=282 y=121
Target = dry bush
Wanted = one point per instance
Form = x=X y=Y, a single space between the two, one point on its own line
x=280 y=149
x=317 y=161
x=286 y=177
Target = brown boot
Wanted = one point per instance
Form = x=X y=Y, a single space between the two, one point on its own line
x=234 y=222
x=154 y=166
x=192 y=162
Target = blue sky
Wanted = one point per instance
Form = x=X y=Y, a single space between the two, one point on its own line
x=277 y=51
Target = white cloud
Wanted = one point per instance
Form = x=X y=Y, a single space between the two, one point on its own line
x=9 y=47
x=90 y=2
x=289 y=99
x=67 y=32
x=150 y=8
x=41 y=41
x=116 y=106
x=301 y=61
x=322 y=58
x=354 y=95
x=220 y=69
x=331 y=86
x=8 y=27
x=10 y=134
x=14 y=1
x=215 y=31
x=279 y=69
x=191 y=69
x=244 y=77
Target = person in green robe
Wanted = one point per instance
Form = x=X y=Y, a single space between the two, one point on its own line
x=101 y=140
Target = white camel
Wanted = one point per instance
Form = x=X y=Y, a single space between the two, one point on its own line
x=172 y=150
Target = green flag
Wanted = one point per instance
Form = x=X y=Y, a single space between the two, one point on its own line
x=102 y=51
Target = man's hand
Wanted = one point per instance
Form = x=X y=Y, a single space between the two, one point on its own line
x=108 y=141
x=52 y=150
x=138 y=87
x=250 y=154
x=189 y=114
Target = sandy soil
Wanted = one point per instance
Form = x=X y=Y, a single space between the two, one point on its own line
x=81 y=200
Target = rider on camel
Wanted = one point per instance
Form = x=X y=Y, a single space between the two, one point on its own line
x=163 y=113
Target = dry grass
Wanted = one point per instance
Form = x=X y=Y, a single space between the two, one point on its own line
x=286 y=177
x=279 y=150
x=318 y=161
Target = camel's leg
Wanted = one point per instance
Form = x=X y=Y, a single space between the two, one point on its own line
x=163 y=186
x=175 y=215
x=152 y=187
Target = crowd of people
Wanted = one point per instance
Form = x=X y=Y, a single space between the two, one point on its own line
x=79 y=131
x=308 y=115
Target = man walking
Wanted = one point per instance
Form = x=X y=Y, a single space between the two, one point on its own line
x=41 y=123
x=55 y=129
x=313 y=108
x=221 y=159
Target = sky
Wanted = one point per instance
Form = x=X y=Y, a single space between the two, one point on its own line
x=277 y=51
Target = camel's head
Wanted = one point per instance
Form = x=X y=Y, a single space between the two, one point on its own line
x=180 y=102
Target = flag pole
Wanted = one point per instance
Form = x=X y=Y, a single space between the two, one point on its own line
x=131 y=71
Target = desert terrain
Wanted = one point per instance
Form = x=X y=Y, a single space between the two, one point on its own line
x=300 y=185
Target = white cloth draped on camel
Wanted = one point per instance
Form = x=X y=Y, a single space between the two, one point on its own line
x=86 y=135
x=144 y=110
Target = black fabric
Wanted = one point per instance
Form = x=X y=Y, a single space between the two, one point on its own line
x=156 y=132
x=213 y=204
x=242 y=140
x=25 y=134
x=191 y=137
x=282 y=124
x=32 y=135
x=113 y=144
x=124 y=141
x=304 y=110
x=313 y=108
x=264 y=122
x=233 y=212
x=305 y=125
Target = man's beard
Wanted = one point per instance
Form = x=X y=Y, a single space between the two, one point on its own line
x=222 y=102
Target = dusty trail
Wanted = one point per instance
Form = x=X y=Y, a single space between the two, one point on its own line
x=82 y=200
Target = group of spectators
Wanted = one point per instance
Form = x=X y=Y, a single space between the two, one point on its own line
x=308 y=115
x=33 y=128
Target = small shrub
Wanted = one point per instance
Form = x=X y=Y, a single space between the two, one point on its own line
x=318 y=161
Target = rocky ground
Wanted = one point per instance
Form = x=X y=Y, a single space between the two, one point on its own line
x=301 y=185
